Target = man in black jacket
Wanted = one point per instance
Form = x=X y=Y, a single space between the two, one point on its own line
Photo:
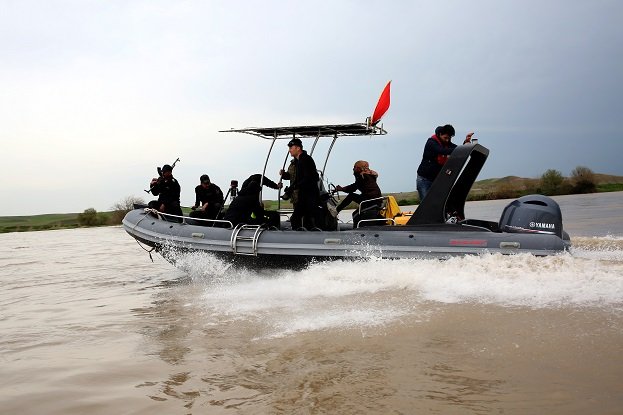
x=208 y=199
x=247 y=206
x=365 y=182
x=306 y=182
x=168 y=191
x=258 y=178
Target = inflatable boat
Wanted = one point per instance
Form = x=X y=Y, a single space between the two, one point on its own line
x=438 y=227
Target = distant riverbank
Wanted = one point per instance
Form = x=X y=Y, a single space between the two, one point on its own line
x=491 y=189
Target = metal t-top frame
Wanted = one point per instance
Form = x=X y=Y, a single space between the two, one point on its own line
x=308 y=131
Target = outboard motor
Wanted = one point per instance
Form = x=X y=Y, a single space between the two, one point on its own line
x=532 y=214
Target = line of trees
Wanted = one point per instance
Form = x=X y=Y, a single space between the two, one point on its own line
x=582 y=180
x=552 y=182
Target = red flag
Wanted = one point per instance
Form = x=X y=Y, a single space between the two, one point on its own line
x=382 y=106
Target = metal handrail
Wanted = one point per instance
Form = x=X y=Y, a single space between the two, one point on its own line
x=235 y=237
x=371 y=200
x=184 y=218
x=376 y=220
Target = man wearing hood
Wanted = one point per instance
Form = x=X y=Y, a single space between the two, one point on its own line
x=365 y=182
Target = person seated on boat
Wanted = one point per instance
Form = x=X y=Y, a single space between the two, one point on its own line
x=208 y=199
x=246 y=207
x=168 y=191
x=436 y=151
x=307 y=206
x=365 y=182
x=289 y=193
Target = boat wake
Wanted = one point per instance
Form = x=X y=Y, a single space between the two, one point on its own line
x=374 y=292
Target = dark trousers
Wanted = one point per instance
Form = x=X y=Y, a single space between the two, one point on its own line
x=355 y=197
x=304 y=214
x=350 y=197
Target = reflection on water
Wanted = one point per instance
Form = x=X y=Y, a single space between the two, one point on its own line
x=91 y=325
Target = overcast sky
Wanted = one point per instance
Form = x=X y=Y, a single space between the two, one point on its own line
x=95 y=94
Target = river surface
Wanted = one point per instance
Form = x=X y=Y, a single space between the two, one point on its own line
x=90 y=325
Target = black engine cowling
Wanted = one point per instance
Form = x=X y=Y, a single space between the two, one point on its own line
x=532 y=214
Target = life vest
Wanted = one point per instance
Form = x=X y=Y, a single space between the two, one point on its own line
x=441 y=158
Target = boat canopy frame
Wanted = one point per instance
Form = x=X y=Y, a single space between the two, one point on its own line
x=333 y=131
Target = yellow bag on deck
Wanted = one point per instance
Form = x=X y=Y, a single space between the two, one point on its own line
x=392 y=211
x=391 y=208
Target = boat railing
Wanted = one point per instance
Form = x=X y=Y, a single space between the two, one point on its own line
x=383 y=220
x=371 y=203
x=184 y=219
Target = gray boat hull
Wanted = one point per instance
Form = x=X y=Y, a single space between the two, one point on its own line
x=271 y=246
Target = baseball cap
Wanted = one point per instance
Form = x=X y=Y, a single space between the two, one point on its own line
x=295 y=142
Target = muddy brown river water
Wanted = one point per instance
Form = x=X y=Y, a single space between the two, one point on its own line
x=90 y=325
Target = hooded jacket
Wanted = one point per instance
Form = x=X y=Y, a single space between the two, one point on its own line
x=435 y=156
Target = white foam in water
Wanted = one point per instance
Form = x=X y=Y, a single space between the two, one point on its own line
x=375 y=292
x=608 y=248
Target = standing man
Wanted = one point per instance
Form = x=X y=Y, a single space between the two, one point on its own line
x=306 y=183
x=168 y=191
x=436 y=151
x=208 y=199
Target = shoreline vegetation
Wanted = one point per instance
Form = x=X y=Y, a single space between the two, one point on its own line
x=551 y=183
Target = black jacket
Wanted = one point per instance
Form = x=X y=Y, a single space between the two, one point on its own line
x=306 y=179
x=366 y=184
x=434 y=157
x=257 y=178
x=168 y=191
x=212 y=195
x=246 y=203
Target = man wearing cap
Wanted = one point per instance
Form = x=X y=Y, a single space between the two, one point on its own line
x=306 y=182
x=168 y=191
x=208 y=199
